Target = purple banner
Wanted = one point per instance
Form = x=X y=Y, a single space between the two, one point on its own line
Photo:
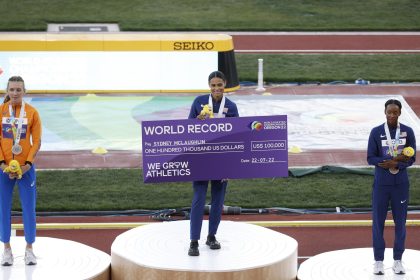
x=225 y=148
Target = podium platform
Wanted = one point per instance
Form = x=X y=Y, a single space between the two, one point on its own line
x=357 y=263
x=57 y=259
x=159 y=251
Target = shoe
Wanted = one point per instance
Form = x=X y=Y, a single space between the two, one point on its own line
x=7 y=258
x=193 y=251
x=398 y=268
x=378 y=268
x=30 y=258
x=212 y=242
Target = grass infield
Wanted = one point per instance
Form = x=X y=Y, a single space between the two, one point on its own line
x=326 y=68
x=123 y=189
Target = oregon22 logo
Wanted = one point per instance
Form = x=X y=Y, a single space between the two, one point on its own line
x=256 y=125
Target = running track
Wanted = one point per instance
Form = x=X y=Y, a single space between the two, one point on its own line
x=327 y=42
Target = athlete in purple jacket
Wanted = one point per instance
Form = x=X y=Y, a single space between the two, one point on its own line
x=221 y=107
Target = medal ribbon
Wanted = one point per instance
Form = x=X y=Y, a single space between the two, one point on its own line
x=222 y=106
x=18 y=133
x=392 y=147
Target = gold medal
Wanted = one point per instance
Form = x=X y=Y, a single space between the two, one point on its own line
x=16 y=149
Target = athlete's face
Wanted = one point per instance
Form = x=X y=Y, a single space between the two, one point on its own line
x=16 y=90
x=392 y=112
x=217 y=88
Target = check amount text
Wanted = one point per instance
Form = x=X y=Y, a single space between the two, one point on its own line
x=268 y=145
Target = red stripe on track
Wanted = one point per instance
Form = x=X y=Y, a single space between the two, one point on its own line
x=329 y=42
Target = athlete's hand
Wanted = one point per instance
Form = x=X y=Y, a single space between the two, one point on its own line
x=402 y=157
x=25 y=168
x=389 y=163
x=13 y=175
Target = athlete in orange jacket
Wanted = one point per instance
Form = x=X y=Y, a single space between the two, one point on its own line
x=20 y=140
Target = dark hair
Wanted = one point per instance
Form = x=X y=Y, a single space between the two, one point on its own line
x=6 y=98
x=217 y=74
x=13 y=79
x=393 y=101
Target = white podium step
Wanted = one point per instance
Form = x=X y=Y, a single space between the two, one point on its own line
x=159 y=251
x=57 y=259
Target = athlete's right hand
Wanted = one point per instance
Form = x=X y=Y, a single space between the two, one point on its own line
x=389 y=163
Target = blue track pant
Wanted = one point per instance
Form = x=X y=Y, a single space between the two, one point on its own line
x=218 y=190
x=27 y=194
x=398 y=195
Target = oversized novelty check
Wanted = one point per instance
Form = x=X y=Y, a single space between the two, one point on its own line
x=213 y=149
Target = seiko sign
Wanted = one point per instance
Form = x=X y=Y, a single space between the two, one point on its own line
x=193 y=46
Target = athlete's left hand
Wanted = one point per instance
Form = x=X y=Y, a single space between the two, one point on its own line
x=402 y=157
x=25 y=168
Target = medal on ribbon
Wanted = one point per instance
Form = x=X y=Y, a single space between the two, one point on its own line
x=17 y=132
x=222 y=106
x=16 y=149
x=393 y=146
